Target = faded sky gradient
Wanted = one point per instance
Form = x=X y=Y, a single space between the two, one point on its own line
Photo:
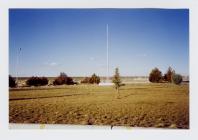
x=74 y=41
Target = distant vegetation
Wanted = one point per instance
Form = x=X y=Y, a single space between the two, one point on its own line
x=63 y=79
x=177 y=78
x=155 y=76
x=116 y=80
x=37 y=81
x=12 y=81
x=94 y=79
x=85 y=80
x=170 y=76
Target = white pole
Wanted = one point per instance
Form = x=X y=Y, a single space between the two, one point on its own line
x=107 y=78
x=17 y=70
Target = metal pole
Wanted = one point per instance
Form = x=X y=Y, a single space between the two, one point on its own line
x=17 y=70
x=107 y=78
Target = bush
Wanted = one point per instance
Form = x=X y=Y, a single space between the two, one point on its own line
x=155 y=76
x=58 y=81
x=94 y=79
x=63 y=79
x=176 y=79
x=12 y=81
x=37 y=81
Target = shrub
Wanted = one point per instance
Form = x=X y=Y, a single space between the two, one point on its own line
x=176 y=79
x=94 y=79
x=63 y=79
x=70 y=81
x=168 y=76
x=12 y=81
x=37 y=81
x=155 y=76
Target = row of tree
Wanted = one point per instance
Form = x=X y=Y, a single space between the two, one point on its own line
x=60 y=80
x=155 y=76
x=170 y=76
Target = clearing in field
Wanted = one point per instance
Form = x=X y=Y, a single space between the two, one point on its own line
x=138 y=105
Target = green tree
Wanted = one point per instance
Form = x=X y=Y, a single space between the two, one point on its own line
x=12 y=81
x=63 y=79
x=37 y=81
x=155 y=76
x=116 y=80
x=168 y=76
x=94 y=79
x=177 y=79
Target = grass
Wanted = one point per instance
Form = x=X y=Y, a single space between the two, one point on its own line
x=138 y=105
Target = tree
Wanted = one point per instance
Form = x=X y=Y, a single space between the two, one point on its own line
x=177 y=79
x=12 y=81
x=63 y=79
x=116 y=80
x=155 y=75
x=94 y=79
x=37 y=81
x=168 y=75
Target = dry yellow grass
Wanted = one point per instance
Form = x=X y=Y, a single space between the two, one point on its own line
x=138 y=105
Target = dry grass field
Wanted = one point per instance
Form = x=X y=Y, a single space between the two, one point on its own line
x=138 y=105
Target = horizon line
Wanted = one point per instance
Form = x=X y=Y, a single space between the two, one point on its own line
x=103 y=76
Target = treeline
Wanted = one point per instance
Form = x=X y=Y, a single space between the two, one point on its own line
x=62 y=79
x=155 y=76
x=170 y=76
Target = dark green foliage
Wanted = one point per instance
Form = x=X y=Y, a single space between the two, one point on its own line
x=63 y=79
x=70 y=81
x=155 y=76
x=12 y=81
x=176 y=79
x=168 y=75
x=37 y=81
x=94 y=79
x=116 y=79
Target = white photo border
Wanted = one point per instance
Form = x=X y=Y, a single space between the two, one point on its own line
x=33 y=134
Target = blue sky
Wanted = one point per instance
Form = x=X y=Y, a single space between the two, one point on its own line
x=74 y=41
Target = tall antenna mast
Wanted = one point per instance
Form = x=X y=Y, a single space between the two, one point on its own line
x=107 y=78
x=17 y=69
